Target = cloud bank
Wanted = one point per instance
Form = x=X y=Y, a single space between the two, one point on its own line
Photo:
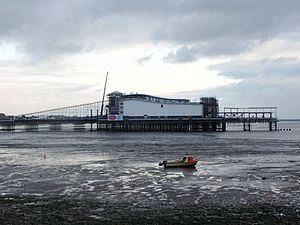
x=257 y=40
x=52 y=28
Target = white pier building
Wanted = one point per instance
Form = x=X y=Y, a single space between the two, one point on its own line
x=147 y=106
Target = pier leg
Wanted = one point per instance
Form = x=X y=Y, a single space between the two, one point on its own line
x=8 y=127
x=214 y=127
x=223 y=126
x=97 y=119
x=55 y=126
x=91 y=120
x=272 y=126
x=247 y=126
x=31 y=127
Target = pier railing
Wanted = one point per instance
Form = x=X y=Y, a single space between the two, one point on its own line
x=231 y=114
x=250 y=115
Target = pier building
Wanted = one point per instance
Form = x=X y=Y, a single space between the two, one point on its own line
x=143 y=112
x=148 y=106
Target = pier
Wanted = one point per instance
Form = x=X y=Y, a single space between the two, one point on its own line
x=144 y=113
x=86 y=116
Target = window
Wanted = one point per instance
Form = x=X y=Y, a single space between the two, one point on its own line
x=161 y=106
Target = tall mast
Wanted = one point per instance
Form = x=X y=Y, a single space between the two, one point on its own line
x=101 y=112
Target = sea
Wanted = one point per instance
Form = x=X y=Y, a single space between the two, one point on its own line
x=235 y=169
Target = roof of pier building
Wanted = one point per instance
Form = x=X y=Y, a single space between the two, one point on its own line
x=151 y=98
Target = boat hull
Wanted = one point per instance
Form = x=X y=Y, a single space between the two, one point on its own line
x=180 y=165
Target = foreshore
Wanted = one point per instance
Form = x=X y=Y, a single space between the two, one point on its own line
x=55 y=210
x=95 y=178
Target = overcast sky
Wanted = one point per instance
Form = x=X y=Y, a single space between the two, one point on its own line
x=56 y=53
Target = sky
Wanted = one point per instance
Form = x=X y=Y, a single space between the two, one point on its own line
x=56 y=53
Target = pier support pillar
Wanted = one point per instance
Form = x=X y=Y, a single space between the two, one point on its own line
x=223 y=126
x=97 y=119
x=247 y=126
x=32 y=127
x=55 y=126
x=272 y=126
x=91 y=120
x=9 y=127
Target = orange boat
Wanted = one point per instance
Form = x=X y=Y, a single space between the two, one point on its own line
x=186 y=162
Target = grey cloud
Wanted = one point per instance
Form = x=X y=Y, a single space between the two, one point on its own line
x=287 y=66
x=218 y=48
x=231 y=27
x=45 y=29
x=266 y=82
x=253 y=93
x=182 y=55
x=144 y=59
x=248 y=20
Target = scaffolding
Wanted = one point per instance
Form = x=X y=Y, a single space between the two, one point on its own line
x=75 y=111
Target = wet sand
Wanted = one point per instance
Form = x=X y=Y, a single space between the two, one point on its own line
x=100 y=178
x=36 y=210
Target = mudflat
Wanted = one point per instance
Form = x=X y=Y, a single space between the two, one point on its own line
x=71 y=177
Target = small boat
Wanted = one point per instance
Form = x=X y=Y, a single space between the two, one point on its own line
x=186 y=162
